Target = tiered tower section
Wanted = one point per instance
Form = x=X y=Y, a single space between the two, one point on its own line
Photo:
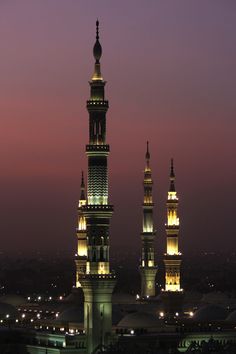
x=98 y=282
x=173 y=257
x=148 y=269
x=81 y=255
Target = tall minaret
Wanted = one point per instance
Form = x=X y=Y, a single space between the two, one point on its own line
x=98 y=282
x=81 y=255
x=172 y=258
x=148 y=269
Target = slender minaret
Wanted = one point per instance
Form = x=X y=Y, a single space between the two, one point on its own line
x=148 y=269
x=172 y=258
x=81 y=255
x=98 y=282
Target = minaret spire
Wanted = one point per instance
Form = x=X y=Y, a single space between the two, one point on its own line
x=147 y=155
x=82 y=187
x=147 y=152
x=172 y=176
x=81 y=254
x=172 y=294
x=97 y=29
x=173 y=256
x=97 y=53
x=98 y=282
x=148 y=269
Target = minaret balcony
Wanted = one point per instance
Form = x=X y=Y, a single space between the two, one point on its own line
x=111 y=276
x=172 y=227
x=104 y=211
x=173 y=259
x=80 y=258
x=97 y=105
x=147 y=205
x=97 y=148
x=172 y=203
x=97 y=206
x=80 y=233
x=148 y=236
x=147 y=182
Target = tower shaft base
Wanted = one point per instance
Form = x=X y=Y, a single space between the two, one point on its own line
x=148 y=281
x=98 y=309
x=172 y=301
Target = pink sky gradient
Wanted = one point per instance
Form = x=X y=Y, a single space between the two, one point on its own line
x=171 y=79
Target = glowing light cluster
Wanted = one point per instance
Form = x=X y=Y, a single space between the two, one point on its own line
x=172 y=220
x=82 y=202
x=103 y=268
x=172 y=196
x=98 y=200
x=150 y=263
x=172 y=246
x=173 y=282
x=148 y=227
x=82 y=248
x=172 y=287
x=82 y=223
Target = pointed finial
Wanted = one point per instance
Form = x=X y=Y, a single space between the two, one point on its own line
x=147 y=152
x=172 y=176
x=97 y=49
x=82 y=178
x=82 y=187
x=97 y=29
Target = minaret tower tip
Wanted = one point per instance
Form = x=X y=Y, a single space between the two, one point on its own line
x=97 y=53
x=147 y=153
x=172 y=176
x=172 y=257
x=148 y=268
x=82 y=187
x=81 y=255
x=98 y=282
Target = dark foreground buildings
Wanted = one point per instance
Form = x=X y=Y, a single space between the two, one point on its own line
x=93 y=319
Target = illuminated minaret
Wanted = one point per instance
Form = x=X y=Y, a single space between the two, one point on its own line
x=172 y=258
x=148 y=269
x=81 y=255
x=98 y=282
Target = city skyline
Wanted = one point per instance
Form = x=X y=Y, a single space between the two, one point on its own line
x=165 y=88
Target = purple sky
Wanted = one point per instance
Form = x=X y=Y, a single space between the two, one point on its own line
x=171 y=79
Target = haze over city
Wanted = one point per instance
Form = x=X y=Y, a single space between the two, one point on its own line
x=170 y=72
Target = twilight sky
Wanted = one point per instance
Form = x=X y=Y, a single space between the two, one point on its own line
x=171 y=79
